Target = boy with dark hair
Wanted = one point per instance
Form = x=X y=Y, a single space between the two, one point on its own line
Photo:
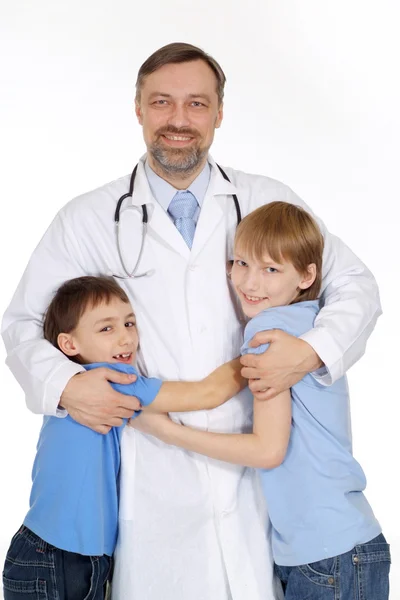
x=67 y=539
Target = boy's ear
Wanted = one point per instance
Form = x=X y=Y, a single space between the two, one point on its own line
x=309 y=277
x=67 y=344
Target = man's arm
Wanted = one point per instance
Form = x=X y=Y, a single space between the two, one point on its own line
x=49 y=379
x=350 y=307
x=264 y=448
x=212 y=391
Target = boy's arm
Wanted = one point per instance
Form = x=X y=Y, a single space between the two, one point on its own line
x=210 y=392
x=264 y=448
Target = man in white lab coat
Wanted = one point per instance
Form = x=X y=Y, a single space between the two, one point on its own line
x=190 y=527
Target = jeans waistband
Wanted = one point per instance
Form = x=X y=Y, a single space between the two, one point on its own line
x=34 y=539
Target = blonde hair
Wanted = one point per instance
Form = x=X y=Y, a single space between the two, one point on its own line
x=285 y=232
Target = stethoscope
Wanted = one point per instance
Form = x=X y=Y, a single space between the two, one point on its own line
x=145 y=219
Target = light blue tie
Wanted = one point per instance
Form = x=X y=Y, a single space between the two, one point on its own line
x=182 y=209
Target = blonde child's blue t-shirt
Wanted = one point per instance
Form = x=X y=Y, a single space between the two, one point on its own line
x=74 y=497
x=315 y=497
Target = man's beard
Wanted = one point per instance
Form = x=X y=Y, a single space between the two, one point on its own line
x=177 y=161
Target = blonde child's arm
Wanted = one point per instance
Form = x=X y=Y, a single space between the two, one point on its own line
x=210 y=392
x=264 y=448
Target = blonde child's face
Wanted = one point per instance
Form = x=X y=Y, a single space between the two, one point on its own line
x=262 y=284
x=105 y=333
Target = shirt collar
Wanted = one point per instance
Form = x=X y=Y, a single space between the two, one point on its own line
x=163 y=191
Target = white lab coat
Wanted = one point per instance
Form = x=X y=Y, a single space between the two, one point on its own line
x=190 y=527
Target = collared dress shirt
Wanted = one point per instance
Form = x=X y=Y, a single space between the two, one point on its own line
x=164 y=192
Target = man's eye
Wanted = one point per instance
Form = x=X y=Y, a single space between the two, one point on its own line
x=130 y=324
x=160 y=102
x=197 y=104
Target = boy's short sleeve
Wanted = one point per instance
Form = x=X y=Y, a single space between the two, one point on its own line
x=145 y=389
x=262 y=322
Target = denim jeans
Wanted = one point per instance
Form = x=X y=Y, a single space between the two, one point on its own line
x=35 y=570
x=361 y=574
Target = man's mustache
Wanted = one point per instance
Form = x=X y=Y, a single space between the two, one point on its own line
x=171 y=130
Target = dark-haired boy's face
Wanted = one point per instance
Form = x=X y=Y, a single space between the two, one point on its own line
x=105 y=333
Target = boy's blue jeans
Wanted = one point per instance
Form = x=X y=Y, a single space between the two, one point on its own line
x=361 y=574
x=35 y=570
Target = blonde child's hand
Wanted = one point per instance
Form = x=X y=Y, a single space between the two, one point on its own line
x=151 y=423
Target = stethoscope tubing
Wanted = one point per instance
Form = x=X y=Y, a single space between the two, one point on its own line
x=145 y=218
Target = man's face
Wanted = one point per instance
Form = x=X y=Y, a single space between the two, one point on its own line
x=105 y=333
x=179 y=111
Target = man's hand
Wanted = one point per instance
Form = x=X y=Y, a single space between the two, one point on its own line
x=285 y=362
x=90 y=400
x=152 y=423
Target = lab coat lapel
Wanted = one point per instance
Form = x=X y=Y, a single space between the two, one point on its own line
x=160 y=225
x=213 y=209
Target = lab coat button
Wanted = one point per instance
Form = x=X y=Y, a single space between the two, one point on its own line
x=193 y=267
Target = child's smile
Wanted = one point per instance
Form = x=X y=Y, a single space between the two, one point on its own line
x=262 y=284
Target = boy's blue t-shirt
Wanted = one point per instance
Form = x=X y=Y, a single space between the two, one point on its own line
x=74 y=497
x=315 y=497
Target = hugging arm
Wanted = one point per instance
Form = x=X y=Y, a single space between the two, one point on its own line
x=350 y=307
x=50 y=380
x=264 y=448
x=212 y=391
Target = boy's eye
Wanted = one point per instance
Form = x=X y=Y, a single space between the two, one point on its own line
x=241 y=263
x=130 y=324
x=271 y=270
x=106 y=328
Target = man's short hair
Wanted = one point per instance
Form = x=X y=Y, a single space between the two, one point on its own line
x=73 y=298
x=175 y=53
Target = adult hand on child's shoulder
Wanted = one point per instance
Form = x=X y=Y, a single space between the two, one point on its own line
x=91 y=401
x=287 y=360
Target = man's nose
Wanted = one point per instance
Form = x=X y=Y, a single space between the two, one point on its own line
x=179 y=116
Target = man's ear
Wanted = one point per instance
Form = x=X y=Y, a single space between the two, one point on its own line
x=67 y=344
x=138 y=112
x=220 y=116
x=309 y=277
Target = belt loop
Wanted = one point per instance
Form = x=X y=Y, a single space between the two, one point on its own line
x=42 y=545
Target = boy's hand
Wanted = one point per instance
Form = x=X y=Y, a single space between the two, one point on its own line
x=91 y=401
x=152 y=423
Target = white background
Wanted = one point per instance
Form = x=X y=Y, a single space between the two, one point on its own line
x=312 y=99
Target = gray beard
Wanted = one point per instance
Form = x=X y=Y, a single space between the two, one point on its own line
x=177 y=161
